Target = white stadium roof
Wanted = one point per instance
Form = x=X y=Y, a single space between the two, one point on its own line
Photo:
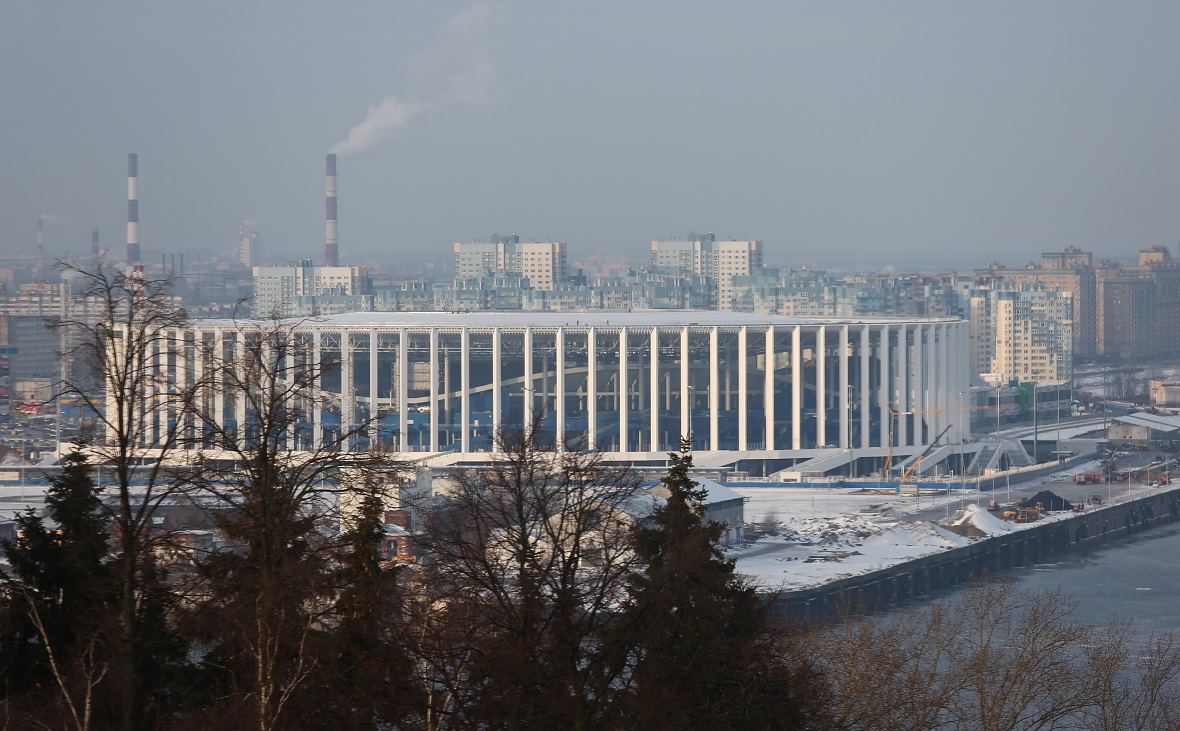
x=592 y=318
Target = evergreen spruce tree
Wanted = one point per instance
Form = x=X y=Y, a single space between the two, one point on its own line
x=704 y=653
x=59 y=600
x=366 y=679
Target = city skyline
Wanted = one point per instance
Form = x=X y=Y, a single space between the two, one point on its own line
x=840 y=135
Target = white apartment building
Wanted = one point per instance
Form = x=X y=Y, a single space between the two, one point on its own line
x=277 y=289
x=542 y=262
x=706 y=257
x=1022 y=333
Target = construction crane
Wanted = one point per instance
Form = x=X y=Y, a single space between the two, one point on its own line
x=909 y=471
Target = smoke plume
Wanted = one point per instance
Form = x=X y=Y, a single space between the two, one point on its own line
x=455 y=69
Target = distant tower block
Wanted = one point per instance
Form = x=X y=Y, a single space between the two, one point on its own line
x=331 y=250
x=95 y=254
x=132 y=209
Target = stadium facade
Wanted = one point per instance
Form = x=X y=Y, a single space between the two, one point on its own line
x=741 y=386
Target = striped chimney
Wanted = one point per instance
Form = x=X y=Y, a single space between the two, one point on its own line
x=331 y=250
x=95 y=255
x=132 y=209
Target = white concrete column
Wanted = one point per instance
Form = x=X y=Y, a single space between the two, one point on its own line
x=374 y=396
x=592 y=389
x=347 y=391
x=685 y=392
x=654 y=394
x=465 y=390
x=714 y=387
x=768 y=390
x=218 y=376
x=497 y=388
x=821 y=385
x=866 y=390
x=743 y=391
x=243 y=385
x=844 y=395
x=623 y=445
x=901 y=390
x=559 y=389
x=317 y=392
x=884 y=396
x=403 y=388
x=918 y=388
x=797 y=387
x=180 y=408
x=433 y=411
x=201 y=382
x=292 y=404
x=527 y=388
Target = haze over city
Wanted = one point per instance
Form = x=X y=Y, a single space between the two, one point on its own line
x=852 y=134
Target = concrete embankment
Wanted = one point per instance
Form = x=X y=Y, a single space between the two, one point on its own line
x=1035 y=543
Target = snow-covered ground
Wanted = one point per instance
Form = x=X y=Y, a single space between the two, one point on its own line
x=821 y=535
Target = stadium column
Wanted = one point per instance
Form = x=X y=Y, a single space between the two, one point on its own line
x=374 y=408
x=865 y=390
x=403 y=383
x=347 y=390
x=714 y=387
x=743 y=430
x=497 y=389
x=200 y=407
x=243 y=380
x=526 y=395
x=884 y=384
x=919 y=387
x=559 y=389
x=179 y=410
x=432 y=410
x=685 y=390
x=592 y=389
x=465 y=391
x=797 y=387
x=622 y=398
x=654 y=395
x=217 y=367
x=821 y=385
x=845 y=403
x=293 y=406
x=901 y=386
x=317 y=391
x=768 y=391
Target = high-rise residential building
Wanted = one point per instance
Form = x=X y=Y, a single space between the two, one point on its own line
x=706 y=257
x=1069 y=271
x=291 y=290
x=1031 y=333
x=1129 y=318
x=542 y=262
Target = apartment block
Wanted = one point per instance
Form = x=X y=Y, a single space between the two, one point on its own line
x=292 y=290
x=544 y=263
x=705 y=256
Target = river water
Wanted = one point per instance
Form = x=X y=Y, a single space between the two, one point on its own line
x=1135 y=578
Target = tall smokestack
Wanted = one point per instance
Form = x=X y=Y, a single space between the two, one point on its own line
x=331 y=251
x=95 y=254
x=132 y=209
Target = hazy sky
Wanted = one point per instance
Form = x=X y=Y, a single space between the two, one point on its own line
x=839 y=133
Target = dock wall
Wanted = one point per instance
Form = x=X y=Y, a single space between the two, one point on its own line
x=922 y=577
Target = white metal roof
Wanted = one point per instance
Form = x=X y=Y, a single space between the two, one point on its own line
x=1158 y=422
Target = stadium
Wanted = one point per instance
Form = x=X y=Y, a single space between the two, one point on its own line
x=752 y=392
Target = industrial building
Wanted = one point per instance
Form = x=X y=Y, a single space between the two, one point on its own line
x=743 y=387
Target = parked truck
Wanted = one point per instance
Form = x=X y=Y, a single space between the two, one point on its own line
x=1087 y=478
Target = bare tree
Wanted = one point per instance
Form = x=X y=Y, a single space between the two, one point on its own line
x=1131 y=685
x=529 y=563
x=260 y=605
x=121 y=344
